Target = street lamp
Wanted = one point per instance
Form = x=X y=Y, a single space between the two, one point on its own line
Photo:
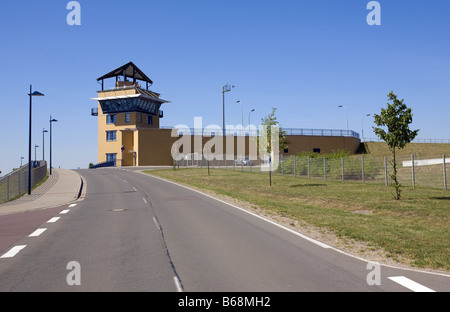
x=242 y=114
x=21 y=158
x=225 y=88
x=342 y=106
x=362 y=126
x=31 y=94
x=43 y=143
x=249 y=119
x=35 y=146
x=51 y=121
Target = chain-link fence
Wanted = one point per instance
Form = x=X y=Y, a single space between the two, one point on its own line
x=15 y=184
x=424 y=172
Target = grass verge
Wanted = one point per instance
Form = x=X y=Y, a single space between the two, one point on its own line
x=414 y=231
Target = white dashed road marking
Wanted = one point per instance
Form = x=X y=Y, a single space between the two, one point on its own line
x=37 y=232
x=13 y=251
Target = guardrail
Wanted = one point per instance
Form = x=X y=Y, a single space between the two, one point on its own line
x=15 y=184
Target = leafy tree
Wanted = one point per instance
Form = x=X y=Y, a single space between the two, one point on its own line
x=269 y=121
x=396 y=118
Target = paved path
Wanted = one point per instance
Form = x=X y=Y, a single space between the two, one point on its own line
x=62 y=187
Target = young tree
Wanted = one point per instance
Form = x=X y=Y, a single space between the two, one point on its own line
x=396 y=118
x=269 y=121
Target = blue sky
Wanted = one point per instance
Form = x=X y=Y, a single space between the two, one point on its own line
x=304 y=57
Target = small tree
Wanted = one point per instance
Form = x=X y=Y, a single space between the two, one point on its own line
x=396 y=118
x=269 y=121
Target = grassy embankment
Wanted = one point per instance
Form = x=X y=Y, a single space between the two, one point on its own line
x=413 y=231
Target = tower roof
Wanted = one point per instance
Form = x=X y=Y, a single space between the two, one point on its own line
x=128 y=70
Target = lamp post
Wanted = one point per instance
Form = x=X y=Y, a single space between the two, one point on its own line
x=225 y=88
x=342 y=106
x=51 y=121
x=362 y=126
x=242 y=113
x=43 y=143
x=31 y=94
x=21 y=158
x=35 y=146
x=249 y=119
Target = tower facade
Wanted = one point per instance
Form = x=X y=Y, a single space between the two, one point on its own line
x=123 y=110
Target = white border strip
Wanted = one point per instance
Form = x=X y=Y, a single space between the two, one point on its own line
x=410 y=284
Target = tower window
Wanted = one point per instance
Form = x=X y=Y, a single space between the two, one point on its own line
x=111 y=119
x=149 y=120
x=127 y=117
x=140 y=118
x=111 y=135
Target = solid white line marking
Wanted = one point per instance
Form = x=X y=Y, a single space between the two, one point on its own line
x=13 y=251
x=144 y=200
x=72 y=205
x=53 y=220
x=410 y=284
x=64 y=211
x=134 y=188
x=178 y=284
x=37 y=233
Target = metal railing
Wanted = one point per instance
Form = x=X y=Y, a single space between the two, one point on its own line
x=435 y=141
x=253 y=131
x=15 y=184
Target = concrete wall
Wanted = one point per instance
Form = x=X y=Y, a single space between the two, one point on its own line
x=154 y=145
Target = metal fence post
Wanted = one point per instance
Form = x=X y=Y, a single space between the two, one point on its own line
x=362 y=169
x=445 y=174
x=295 y=166
x=342 y=162
x=309 y=167
x=386 y=182
x=7 y=188
x=413 y=173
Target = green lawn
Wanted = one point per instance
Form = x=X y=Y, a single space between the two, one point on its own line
x=415 y=230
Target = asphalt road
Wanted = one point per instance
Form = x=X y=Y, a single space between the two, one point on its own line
x=134 y=232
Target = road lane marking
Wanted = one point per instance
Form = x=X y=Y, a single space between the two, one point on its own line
x=72 y=205
x=64 y=211
x=144 y=200
x=410 y=284
x=178 y=284
x=53 y=220
x=134 y=188
x=13 y=251
x=157 y=223
x=37 y=232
